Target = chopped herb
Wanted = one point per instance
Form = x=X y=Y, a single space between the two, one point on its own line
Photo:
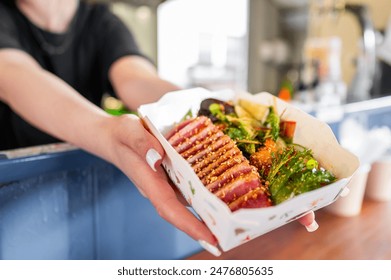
x=294 y=172
x=273 y=121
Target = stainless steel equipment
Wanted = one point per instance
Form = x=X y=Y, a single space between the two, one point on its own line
x=363 y=81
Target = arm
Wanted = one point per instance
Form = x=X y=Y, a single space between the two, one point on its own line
x=50 y=104
x=135 y=74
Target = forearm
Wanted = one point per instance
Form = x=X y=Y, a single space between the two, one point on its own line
x=51 y=105
x=136 y=82
x=48 y=103
x=147 y=91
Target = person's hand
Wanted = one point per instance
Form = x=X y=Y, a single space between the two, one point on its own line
x=309 y=222
x=138 y=154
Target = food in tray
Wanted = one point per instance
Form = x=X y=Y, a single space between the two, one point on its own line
x=220 y=164
x=245 y=154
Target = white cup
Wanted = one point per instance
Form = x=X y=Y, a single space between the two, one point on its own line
x=351 y=204
x=379 y=180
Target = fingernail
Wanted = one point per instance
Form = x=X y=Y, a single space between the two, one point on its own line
x=345 y=192
x=210 y=248
x=152 y=157
x=312 y=227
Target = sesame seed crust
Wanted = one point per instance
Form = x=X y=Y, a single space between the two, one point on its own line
x=220 y=164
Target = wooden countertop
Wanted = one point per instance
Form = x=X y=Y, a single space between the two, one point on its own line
x=363 y=237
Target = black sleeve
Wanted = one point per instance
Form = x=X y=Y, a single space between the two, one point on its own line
x=8 y=31
x=115 y=40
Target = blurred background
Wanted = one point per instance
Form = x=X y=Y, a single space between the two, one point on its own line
x=330 y=57
x=327 y=51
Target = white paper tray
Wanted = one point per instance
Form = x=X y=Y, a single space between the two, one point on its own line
x=234 y=228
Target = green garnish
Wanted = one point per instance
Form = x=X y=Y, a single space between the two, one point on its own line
x=217 y=111
x=312 y=163
x=187 y=116
x=273 y=121
x=242 y=130
x=293 y=169
x=290 y=174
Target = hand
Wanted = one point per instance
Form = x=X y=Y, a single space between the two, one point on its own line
x=309 y=222
x=138 y=154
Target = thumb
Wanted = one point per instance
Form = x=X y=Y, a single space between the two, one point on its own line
x=141 y=141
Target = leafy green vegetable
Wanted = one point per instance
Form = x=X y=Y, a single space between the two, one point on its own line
x=217 y=111
x=242 y=130
x=294 y=172
x=273 y=121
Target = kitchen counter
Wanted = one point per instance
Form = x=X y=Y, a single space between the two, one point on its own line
x=363 y=237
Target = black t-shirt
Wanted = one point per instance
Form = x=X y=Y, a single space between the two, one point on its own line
x=81 y=56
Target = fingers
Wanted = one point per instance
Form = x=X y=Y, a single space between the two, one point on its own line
x=140 y=155
x=165 y=200
x=309 y=222
x=173 y=211
x=134 y=135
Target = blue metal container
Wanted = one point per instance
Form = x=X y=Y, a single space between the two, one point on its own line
x=72 y=205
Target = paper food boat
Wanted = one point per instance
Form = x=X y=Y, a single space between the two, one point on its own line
x=235 y=228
